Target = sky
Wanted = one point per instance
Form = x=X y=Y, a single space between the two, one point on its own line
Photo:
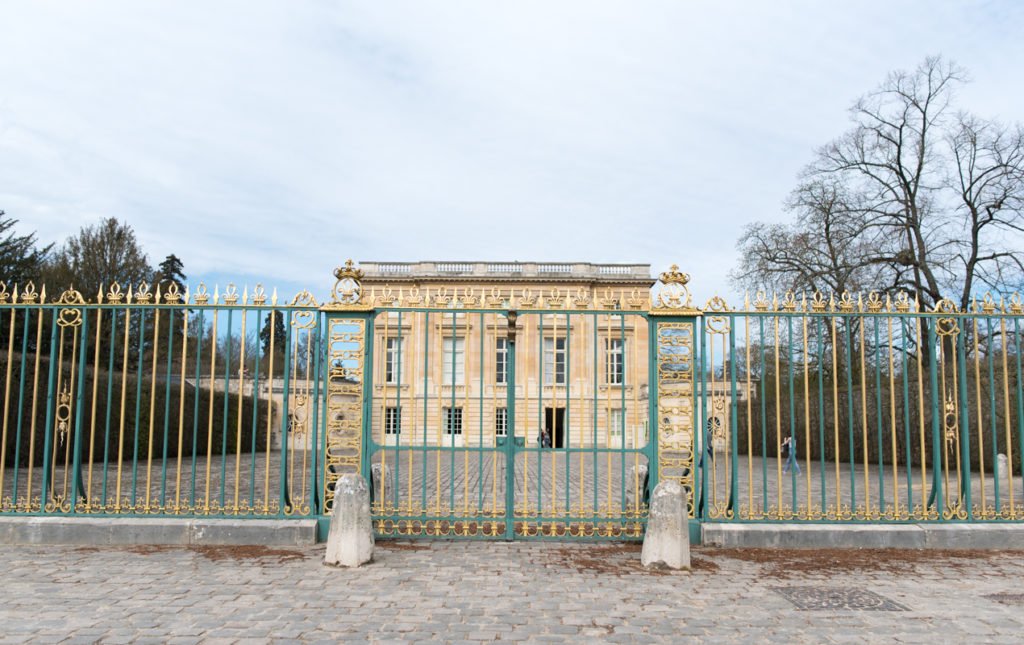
x=270 y=141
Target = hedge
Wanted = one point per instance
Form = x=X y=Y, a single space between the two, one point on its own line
x=137 y=396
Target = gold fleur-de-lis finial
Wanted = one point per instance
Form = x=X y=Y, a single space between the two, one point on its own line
x=173 y=294
x=259 y=295
x=28 y=294
x=202 y=296
x=115 y=295
x=231 y=294
x=142 y=293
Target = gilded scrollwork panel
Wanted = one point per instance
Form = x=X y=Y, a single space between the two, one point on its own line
x=675 y=368
x=345 y=382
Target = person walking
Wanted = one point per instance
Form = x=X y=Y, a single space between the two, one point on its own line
x=788 y=450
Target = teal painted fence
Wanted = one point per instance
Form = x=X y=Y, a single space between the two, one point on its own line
x=525 y=417
x=862 y=411
x=141 y=404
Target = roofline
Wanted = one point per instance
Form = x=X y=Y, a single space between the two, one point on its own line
x=646 y=283
x=618 y=264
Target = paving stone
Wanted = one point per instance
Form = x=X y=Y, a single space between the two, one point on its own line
x=492 y=592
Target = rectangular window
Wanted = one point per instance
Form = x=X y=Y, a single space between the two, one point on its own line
x=392 y=421
x=615 y=361
x=501 y=361
x=501 y=422
x=393 y=355
x=554 y=361
x=453 y=352
x=453 y=421
x=615 y=423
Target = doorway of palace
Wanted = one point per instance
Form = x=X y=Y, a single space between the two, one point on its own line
x=554 y=426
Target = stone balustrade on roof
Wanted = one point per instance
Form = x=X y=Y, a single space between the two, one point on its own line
x=618 y=273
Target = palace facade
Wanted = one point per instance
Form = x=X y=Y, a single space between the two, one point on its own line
x=445 y=378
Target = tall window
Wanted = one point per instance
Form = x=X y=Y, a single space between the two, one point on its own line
x=453 y=421
x=615 y=363
x=453 y=351
x=501 y=422
x=615 y=424
x=393 y=355
x=554 y=361
x=392 y=421
x=501 y=361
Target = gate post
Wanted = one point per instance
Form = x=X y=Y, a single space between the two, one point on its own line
x=673 y=342
x=347 y=374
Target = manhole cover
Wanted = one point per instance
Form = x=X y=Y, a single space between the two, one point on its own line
x=837 y=598
x=1007 y=598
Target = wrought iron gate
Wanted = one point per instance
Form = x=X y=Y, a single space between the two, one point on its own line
x=509 y=423
x=511 y=414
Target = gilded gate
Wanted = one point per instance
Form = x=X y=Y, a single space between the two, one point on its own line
x=516 y=409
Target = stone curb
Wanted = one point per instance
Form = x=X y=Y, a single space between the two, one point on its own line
x=854 y=536
x=163 y=531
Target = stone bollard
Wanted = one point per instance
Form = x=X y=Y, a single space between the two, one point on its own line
x=1001 y=469
x=636 y=480
x=380 y=481
x=667 y=540
x=350 y=541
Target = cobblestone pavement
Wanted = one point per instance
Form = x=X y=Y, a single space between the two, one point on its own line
x=488 y=591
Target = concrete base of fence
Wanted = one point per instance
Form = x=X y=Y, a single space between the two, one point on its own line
x=115 y=531
x=350 y=542
x=860 y=536
x=667 y=540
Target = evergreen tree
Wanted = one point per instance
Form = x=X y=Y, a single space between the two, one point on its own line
x=21 y=262
x=20 y=259
x=171 y=270
x=279 y=340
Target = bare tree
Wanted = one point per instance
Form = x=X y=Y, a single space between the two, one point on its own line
x=821 y=251
x=913 y=198
x=890 y=160
x=988 y=178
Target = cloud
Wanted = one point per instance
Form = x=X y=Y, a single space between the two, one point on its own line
x=270 y=142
